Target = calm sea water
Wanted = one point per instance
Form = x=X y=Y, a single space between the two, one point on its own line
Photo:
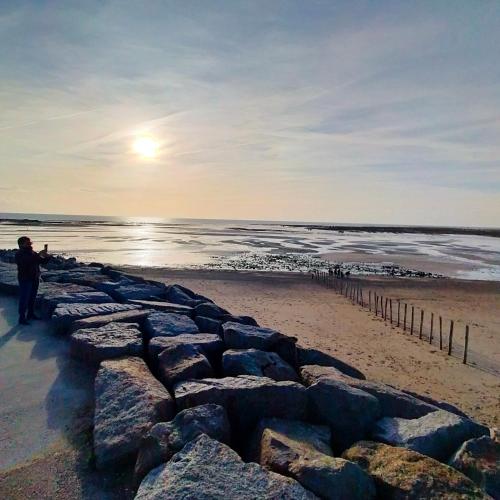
x=181 y=243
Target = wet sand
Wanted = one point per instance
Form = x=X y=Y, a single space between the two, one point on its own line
x=471 y=253
x=320 y=318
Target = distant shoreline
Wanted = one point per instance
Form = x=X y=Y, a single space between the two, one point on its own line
x=357 y=228
x=473 y=231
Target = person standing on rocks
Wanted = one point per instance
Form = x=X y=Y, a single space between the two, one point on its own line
x=28 y=274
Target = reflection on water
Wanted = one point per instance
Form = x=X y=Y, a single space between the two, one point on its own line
x=193 y=243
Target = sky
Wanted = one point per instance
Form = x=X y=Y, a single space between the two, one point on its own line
x=336 y=111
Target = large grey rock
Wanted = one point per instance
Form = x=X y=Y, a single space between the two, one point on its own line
x=51 y=300
x=244 y=320
x=207 y=469
x=128 y=402
x=210 y=310
x=303 y=451
x=179 y=362
x=109 y=286
x=349 y=412
x=246 y=398
x=166 y=438
x=310 y=374
x=47 y=291
x=333 y=478
x=402 y=474
x=396 y=403
x=127 y=316
x=89 y=276
x=393 y=402
x=179 y=294
x=8 y=278
x=254 y=362
x=60 y=275
x=277 y=442
x=209 y=344
x=442 y=405
x=436 y=434
x=208 y=325
x=117 y=275
x=479 y=459
x=308 y=356
x=137 y=291
x=160 y=324
x=239 y=336
x=167 y=307
x=112 y=340
x=65 y=314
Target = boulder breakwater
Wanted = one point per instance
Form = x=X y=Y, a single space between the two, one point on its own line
x=200 y=403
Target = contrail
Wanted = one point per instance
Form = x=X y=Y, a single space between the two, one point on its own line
x=50 y=118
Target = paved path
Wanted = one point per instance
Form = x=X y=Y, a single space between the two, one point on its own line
x=42 y=390
x=46 y=401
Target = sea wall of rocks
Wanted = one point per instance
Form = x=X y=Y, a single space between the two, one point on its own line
x=207 y=404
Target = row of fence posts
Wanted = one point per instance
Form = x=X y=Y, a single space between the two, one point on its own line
x=383 y=308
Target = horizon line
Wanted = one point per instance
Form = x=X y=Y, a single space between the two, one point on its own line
x=284 y=222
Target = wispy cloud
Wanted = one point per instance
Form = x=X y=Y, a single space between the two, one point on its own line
x=48 y=119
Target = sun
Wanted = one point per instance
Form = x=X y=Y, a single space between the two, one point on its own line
x=145 y=147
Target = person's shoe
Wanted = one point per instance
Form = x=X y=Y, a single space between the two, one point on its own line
x=23 y=321
x=33 y=316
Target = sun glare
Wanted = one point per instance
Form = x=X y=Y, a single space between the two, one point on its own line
x=145 y=147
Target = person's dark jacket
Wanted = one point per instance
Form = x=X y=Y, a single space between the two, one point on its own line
x=28 y=264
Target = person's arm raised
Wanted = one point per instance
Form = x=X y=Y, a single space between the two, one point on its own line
x=44 y=256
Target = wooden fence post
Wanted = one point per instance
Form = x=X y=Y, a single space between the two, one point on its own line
x=421 y=323
x=466 y=346
x=432 y=328
x=370 y=300
x=450 y=339
x=440 y=333
x=385 y=308
x=376 y=304
x=406 y=308
x=390 y=308
x=412 y=314
x=399 y=309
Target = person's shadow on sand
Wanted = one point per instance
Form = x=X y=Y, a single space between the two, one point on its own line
x=9 y=335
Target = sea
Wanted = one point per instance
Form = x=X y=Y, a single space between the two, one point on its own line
x=252 y=245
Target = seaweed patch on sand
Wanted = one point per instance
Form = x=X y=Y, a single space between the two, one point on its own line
x=307 y=263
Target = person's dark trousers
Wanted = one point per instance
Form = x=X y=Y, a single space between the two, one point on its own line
x=27 y=296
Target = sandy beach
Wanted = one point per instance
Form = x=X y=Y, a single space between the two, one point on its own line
x=320 y=318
